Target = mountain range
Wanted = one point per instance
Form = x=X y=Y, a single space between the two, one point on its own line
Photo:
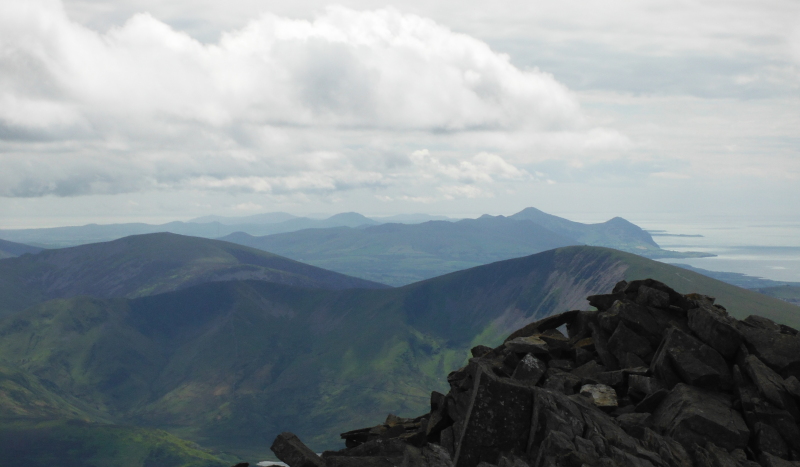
x=398 y=254
x=229 y=364
x=149 y=264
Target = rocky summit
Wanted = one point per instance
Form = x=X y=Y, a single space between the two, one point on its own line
x=651 y=378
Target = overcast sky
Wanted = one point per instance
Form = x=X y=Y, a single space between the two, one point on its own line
x=144 y=110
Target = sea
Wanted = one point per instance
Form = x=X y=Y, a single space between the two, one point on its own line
x=769 y=249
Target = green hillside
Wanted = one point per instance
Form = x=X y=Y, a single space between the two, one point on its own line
x=148 y=264
x=75 y=443
x=231 y=364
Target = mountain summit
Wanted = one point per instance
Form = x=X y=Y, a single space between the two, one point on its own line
x=649 y=378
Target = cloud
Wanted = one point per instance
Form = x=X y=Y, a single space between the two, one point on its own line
x=278 y=106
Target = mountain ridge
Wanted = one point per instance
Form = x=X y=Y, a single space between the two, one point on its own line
x=227 y=364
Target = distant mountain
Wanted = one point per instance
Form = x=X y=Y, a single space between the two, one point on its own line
x=12 y=249
x=615 y=233
x=148 y=264
x=264 y=218
x=231 y=364
x=416 y=218
x=59 y=237
x=398 y=254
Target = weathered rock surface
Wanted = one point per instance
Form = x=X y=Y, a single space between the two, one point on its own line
x=652 y=378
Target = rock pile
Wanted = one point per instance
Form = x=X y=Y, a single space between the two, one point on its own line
x=651 y=378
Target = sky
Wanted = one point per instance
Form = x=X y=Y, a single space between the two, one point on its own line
x=141 y=110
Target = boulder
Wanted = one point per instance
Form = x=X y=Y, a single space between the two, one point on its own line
x=289 y=449
x=691 y=361
x=780 y=351
x=696 y=416
x=530 y=370
x=603 y=396
x=770 y=384
x=624 y=341
x=489 y=428
x=715 y=328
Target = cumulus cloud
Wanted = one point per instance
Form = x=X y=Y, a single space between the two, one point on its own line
x=279 y=106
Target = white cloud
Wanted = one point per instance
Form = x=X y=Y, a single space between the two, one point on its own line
x=278 y=106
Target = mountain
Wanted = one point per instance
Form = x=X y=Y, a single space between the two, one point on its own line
x=231 y=364
x=398 y=254
x=59 y=237
x=12 y=249
x=264 y=218
x=650 y=378
x=416 y=218
x=148 y=264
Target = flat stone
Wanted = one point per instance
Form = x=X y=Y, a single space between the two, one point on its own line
x=603 y=396
x=550 y=322
x=694 y=416
x=531 y=344
x=289 y=449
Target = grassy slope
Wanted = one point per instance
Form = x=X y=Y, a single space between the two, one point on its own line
x=788 y=293
x=399 y=254
x=229 y=365
x=75 y=443
x=149 y=264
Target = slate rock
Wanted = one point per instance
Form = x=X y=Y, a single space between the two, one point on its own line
x=480 y=350
x=603 y=396
x=530 y=344
x=530 y=369
x=767 y=439
x=768 y=460
x=635 y=423
x=641 y=386
x=588 y=370
x=600 y=341
x=779 y=351
x=715 y=328
x=691 y=361
x=769 y=384
x=561 y=381
x=489 y=429
x=713 y=456
x=624 y=341
x=695 y=416
x=649 y=296
x=289 y=449
x=652 y=401
x=550 y=322
x=671 y=452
